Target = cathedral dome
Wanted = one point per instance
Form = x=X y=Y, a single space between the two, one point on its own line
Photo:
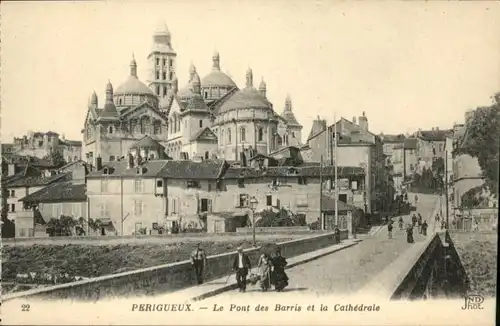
x=133 y=92
x=216 y=78
x=133 y=86
x=248 y=97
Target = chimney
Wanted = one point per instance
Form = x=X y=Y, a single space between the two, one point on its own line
x=437 y=128
x=130 y=161
x=12 y=169
x=363 y=122
x=98 y=162
x=432 y=128
x=354 y=120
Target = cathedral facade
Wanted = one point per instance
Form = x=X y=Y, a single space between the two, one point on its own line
x=210 y=117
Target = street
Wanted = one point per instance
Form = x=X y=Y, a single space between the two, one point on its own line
x=347 y=271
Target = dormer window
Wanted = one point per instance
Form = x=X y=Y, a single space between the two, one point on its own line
x=105 y=171
x=141 y=170
x=193 y=184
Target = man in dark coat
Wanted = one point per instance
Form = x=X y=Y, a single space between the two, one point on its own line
x=241 y=265
x=198 y=261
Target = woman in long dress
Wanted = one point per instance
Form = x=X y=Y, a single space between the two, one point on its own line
x=279 y=277
x=409 y=234
x=264 y=266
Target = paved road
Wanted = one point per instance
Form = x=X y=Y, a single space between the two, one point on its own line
x=348 y=271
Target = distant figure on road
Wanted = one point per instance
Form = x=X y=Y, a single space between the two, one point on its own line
x=389 y=228
x=198 y=261
x=424 y=228
x=401 y=222
x=416 y=199
x=437 y=217
x=241 y=265
x=419 y=221
x=409 y=233
x=279 y=277
x=443 y=225
x=414 y=220
x=337 y=234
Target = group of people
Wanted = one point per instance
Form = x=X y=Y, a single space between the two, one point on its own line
x=271 y=268
x=415 y=221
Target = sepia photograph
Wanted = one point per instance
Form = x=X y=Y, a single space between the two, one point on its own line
x=249 y=162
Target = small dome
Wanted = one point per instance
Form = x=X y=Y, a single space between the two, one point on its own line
x=217 y=78
x=248 y=97
x=133 y=86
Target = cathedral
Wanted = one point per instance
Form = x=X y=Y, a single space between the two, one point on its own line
x=211 y=117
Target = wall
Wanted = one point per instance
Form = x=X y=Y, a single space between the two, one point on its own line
x=299 y=198
x=410 y=161
x=143 y=207
x=25 y=224
x=19 y=192
x=55 y=210
x=430 y=274
x=164 y=278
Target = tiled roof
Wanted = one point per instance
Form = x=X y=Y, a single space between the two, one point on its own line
x=207 y=169
x=196 y=102
x=393 y=138
x=201 y=132
x=410 y=143
x=34 y=181
x=305 y=171
x=248 y=97
x=64 y=167
x=58 y=192
x=433 y=135
x=318 y=126
x=150 y=169
x=71 y=142
x=147 y=142
x=26 y=159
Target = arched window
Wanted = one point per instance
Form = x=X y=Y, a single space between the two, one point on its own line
x=293 y=134
x=157 y=127
x=229 y=135
x=170 y=126
x=207 y=155
x=120 y=102
x=158 y=90
x=164 y=75
x=142 y=126
x=110 y=129
x=201 y=123
x=243 y=136
x=261 y=134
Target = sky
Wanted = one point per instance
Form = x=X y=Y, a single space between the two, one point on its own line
x=407 y=65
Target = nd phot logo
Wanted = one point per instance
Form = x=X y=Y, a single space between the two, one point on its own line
x=473 y=302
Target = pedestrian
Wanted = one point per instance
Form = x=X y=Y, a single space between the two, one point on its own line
x=416 y=199
x=414 y=220
x=424 y=228
x=389 y=228
x=442 y=225
x=198 y=262
x=264 y=266
x=437 y=217
x=401 y=223
x=336 y=233
x=279 y=277
x=419 y=221
x=241 y=265
x=409 y=233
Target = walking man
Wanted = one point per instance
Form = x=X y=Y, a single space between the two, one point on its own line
x=198 y=261
x=241 y=265
x=389 y=228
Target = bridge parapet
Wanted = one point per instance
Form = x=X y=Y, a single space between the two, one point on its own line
x=164 y=278
x=430 y=269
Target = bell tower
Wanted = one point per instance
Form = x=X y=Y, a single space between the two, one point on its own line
x=161 y=62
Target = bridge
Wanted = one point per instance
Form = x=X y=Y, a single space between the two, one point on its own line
x=373 y=263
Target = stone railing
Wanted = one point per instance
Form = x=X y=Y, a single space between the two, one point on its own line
x=435 y=271
x=165 y=278
x=288 y=229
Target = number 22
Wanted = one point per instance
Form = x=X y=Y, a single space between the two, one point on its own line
x=25 y=307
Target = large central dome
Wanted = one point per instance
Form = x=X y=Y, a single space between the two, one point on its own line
x=133 y=92
x=217 y=78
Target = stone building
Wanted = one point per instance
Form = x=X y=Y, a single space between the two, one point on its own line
x=356 y=146
x=40 y=144
x=210 y=117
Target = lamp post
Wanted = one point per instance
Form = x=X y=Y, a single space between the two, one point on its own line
x=253 y=206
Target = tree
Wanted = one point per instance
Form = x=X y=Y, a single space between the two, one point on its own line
x=55 y=158
x=483 y=142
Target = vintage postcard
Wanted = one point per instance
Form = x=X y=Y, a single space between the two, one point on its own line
x=249 y=162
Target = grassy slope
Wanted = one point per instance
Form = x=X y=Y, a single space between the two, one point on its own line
x=90 y=260
x=478 y=252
